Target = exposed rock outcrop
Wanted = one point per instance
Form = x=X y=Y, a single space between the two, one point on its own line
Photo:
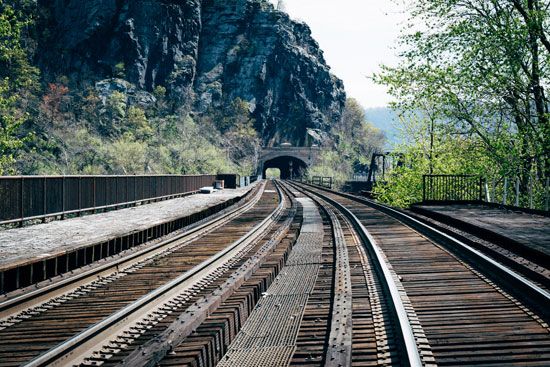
x=206 y=53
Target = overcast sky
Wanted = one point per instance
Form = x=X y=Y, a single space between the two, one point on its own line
x=356 y=37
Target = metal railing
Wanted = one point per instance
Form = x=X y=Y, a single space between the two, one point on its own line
x=25 y=198
x=442 y=188
x=319 y=181
x=510 y=191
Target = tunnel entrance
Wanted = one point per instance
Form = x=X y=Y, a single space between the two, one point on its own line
x=289 y=167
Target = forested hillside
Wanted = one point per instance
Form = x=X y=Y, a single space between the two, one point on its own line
x=158 y=87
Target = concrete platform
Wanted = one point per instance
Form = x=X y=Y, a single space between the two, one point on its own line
x=528 y=233
x=23 y=246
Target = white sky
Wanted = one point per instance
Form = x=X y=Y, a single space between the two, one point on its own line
x=356 y=37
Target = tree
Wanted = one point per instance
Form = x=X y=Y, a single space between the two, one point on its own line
x=477 y=70
x=355 y=140
x=51 y=101
x=420 y=153
x=138 y=124
x=17 y=78
x=127 y=156
x=239 y=138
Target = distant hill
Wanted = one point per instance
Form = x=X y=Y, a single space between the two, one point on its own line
x=385 y=119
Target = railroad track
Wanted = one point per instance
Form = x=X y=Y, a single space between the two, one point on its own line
x=531 y=265
x=326 y=307
x=32 y=297
x=60 y=325
x=301 y=276
x=462 y=316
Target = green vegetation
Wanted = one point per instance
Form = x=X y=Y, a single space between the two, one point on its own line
x=273 y=173
x=69 y=127
x=17 y=81
x=470 y=90
x=79 y=133
x=354 y=142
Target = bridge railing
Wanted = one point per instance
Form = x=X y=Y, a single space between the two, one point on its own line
x=444 y=188
x=319 y=181
x=25 y=198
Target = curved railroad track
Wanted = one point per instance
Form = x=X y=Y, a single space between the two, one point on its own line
x=297 y=276
x=457 y=298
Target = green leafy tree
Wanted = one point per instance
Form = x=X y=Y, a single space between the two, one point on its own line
x=419 y=154
x=119 y=70
x=138 y=124
x=17 y=80
x=127 y=155
x=477 y=70
x=355 y=140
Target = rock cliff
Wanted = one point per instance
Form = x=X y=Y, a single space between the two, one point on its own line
x=206 y=53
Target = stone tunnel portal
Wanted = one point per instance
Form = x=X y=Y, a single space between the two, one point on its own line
x=290 y=167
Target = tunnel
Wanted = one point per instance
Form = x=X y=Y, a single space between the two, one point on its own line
x=290 y=167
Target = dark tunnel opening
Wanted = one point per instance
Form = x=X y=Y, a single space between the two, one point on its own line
x=290 y=167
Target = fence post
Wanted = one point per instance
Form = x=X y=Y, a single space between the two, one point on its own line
x=494 y=189
x=79 y=196
x=21 y=196
x=150 y=188
x=487 y=194
x=94 y=195
x=63 y=197
x=44 y=198
x=517 y=191
x=117 y=199
x=424 y=188
x=106 y=193
x=480 y=188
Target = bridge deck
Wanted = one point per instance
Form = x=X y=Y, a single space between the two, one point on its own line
x=26 y=245
x=528 y=230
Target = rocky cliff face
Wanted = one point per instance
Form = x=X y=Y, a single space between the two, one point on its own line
x=206 y=53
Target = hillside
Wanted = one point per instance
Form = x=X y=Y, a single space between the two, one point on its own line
x=131 y=87
x=205 y=54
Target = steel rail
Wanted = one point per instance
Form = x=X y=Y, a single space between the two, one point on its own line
x=65 y=348
x=194 y=231
x=152 y=352
x=414 y=358
x=531 y=291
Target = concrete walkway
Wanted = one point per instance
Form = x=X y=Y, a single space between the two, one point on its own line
x=529 y=230
x=22 y=245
